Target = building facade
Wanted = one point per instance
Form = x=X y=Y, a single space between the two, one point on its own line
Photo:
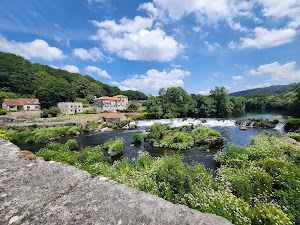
x=26 y=104
x=111 y=104
x=114 y=118
x=70 y=107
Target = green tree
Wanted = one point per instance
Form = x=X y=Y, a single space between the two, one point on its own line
x=223 y=104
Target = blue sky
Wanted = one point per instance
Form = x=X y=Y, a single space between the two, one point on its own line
x=148 y=45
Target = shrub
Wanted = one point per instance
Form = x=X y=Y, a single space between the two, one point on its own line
x=275 y=121
x=133 y=126
x=54 y=111
x=157 y=131
x=295 y=136
x=3 y=134
x=136 y=138
x=115 y=147
x=2 y=112
x=124 y=123
x=176 y=140
x=202 y=132
x=72 y=144
x=109 y=125
x=45 y=113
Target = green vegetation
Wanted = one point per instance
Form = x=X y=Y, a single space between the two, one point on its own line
x=38 y=135
x=133 y=126
x=132 y=107
x=275 y=89
x=21 y=78
x=135 y=138
x=258 y=184
x=201 y=133
x=292 y=125
x=3 y=134
x=2 y=112
x=65 y=153
x=115 y=147
x=182 y=140
x=295 y=136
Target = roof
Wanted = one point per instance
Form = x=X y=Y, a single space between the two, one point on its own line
x=108 y=98
x=29 y=101
x=117 y=97
x=12 y=102
x=113 y=115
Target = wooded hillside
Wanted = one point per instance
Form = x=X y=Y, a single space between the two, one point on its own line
x=276 y=89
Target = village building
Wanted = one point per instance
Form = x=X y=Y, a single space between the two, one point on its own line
x=111 y=104
x=70 y=107
x=21 y=104
x=114 y=118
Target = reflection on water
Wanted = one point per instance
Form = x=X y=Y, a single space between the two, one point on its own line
x=230 y=133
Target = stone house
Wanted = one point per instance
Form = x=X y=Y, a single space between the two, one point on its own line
x=111 y=104
x=21 y=104
x=114 y=118
x=70 y=107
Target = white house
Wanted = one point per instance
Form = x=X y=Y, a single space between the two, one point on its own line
x=70 y=107
x=111 y=104
x=21 y=104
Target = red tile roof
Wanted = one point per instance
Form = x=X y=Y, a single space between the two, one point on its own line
x=12 y=102
x=113 y=115
x=117 y=98
x=29 y=101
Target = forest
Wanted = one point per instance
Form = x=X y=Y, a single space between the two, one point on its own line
x=21 y=78
x=176 y=102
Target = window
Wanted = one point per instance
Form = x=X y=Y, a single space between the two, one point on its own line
x=28 y=107
x=36 y=107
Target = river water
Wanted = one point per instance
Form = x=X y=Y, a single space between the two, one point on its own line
x=229 y=131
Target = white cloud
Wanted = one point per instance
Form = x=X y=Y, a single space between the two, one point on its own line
x=175 y=66
x=93 y=69
x=258 y=86
x=154 y=80
x=134 y=40
x=287 y=71
x=93 y=54
x=212 y=47
x=35 y=49
x=61 y=41
x=96 y=1
x=207 y=12
x=70 y=68
x=205 y=92
x=237 y=77
x=282 y=9
x=264 y=38
x=114 y=83
x=154 y=12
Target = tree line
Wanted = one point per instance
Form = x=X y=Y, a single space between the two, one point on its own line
x=175 y=102
x=21 y=78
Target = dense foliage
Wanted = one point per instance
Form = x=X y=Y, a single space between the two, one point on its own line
x=115 y=146
x=135 y=138
x=21 y=78
x=257 y=185
x=275 y=89
x=160 y=137
x=176 y=102
x=38 y=135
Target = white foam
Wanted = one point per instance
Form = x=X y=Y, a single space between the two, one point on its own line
x=279 y=126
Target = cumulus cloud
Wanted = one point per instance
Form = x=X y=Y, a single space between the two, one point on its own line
x=264 y=38
x=237 y=77
x=153 y=80
x=205 y=92
x=212 y=47
x=153 y=11
x=287 y=71
x=90 y=70
x=70 y=68
x=134 y=40
x=93 y=54
x=207 y=11
x=35 y=49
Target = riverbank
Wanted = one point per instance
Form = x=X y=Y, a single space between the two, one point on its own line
x=38 y=192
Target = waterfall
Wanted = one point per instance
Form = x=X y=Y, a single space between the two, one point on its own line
x=279 y=126
x=251 y=125
x=244 y=123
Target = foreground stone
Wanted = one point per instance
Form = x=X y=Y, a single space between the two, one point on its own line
x=33 y=191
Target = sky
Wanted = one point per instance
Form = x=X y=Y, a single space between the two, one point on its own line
x=148 y=45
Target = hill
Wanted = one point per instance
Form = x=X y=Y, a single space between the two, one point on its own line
x=276 y=89
x=21 y=78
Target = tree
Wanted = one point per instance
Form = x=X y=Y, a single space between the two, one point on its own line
x=132 y=107
x=223 y=104
x=54 y=111
x=155 y=112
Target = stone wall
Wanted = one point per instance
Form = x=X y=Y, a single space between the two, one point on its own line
x=33 y=191
x=25 y=114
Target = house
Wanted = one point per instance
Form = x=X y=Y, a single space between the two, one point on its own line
x=21 y=104
x=114 y=118
x=111 y=104
x=70 y=107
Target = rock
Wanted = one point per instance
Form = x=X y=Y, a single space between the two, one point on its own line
x=203 y=120
x=139 y=131
x=131 y=145
x=77 y=133
x=56 y=193
x=147 y=129
x=212 y=142
x=194 y=127
x=292 y=141
x=243 y=128
x=108 y=129
x=89 y=128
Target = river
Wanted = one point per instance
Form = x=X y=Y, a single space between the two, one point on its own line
x=231 y=134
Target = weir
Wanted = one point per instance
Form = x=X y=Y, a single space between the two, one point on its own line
x=34 y=191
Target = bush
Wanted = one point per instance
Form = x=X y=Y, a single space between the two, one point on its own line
x=3 y=134
x=45 y=113
x=54 y=111
x=275 y=121
x=72 y=144
x=115 y=147
x=2 y=112
x=202 y=132
x=157 y=131
x=295 y=136
x=133 y=126
x=124 y=123
x=135 y=138
x=176 y=140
